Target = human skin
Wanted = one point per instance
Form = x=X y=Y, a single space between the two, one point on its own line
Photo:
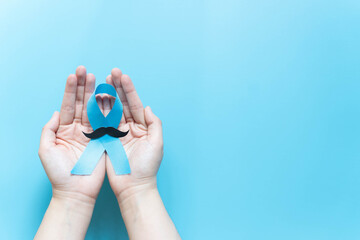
x=62 y=142
x=141 y=206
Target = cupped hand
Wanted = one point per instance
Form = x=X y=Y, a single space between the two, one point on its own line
x=62 y=142
x=143 y=144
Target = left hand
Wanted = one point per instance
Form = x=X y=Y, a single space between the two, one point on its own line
x=62 y=142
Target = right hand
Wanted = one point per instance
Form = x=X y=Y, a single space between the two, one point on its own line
x=143 y=144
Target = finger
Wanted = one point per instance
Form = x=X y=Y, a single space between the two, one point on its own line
x=67 y=111
x=154 y=128
x=100 y=103
x=122 y=121
x=112 y=99
x=106 y=104
x=48 y=135
x=109 y=81
x=135 y=105
x=89 y=89
x=116 y=82
x=81 y=79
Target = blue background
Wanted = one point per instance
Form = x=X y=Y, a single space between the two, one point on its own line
x=259 y=101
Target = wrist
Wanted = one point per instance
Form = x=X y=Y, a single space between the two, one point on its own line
x=73 y=199
x=67 y=217
x=138 y=204
x=74 y=206
x=144 y=214
x=133 y=192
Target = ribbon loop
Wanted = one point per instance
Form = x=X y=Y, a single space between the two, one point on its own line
x=96 y=147
x=96 y=118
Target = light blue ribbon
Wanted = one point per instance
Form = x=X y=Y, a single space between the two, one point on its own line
x=96 y=147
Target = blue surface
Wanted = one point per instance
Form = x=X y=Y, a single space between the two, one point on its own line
x=259 y=102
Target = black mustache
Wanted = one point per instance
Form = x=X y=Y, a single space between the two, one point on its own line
x=98 y=133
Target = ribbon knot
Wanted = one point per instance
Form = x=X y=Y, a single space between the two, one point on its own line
x=105 y=140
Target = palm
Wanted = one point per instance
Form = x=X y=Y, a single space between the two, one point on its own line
x=60 y=158
x=71 y=144
x=142 y=158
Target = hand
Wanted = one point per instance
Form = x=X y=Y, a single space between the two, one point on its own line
x=143 y=144
x=141 y=206
x=62 y=142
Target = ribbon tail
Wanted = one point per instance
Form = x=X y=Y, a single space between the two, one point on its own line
x=117 y=154
x=89 y=159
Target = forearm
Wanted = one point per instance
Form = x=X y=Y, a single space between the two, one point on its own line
x=145 y=215
x=66 y=218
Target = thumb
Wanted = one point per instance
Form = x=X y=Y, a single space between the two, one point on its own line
x=48 y=135
x=154 y=127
